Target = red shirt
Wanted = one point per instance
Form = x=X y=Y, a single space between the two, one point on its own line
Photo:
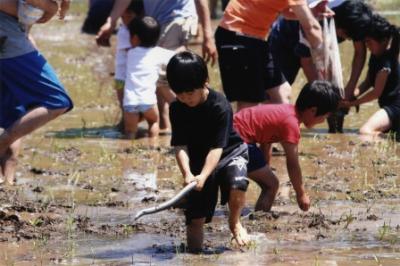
x=268 y=123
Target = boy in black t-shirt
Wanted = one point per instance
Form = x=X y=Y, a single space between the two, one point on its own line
x=207 y=148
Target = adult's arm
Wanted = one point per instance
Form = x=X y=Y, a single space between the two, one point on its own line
x=359 y=57
x=310 y=25
x=309 y=69
x=105 y=32
x=209 y=48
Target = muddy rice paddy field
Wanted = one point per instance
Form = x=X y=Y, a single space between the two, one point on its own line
x=80 y=184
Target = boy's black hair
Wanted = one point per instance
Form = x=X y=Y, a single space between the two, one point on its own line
x=321 y=94
x=137 y=7
x=147 y=29
x=186 y=71
x=354 y=17
x=381 y=29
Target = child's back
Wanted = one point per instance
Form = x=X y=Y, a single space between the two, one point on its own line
x=268 y=123
x=143 y=66
x=392 y=86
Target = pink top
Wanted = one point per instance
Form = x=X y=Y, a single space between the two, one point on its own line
x=268 y=123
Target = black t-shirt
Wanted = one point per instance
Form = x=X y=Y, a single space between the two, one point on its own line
x=392 y=86
x=204 y=127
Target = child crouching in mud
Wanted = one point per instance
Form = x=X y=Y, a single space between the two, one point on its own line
x=207 y=149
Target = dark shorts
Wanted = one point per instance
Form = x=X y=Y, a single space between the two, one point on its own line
x=286 y=48
x=256 y=158
x=393 y=111
x=233 y=175
x=26 y=82
x=246 y=66
x=97 y=15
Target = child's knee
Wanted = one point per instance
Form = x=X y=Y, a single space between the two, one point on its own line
x=366 y=130
x=57 y=112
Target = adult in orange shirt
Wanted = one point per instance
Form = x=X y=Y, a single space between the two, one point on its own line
x=246 y=65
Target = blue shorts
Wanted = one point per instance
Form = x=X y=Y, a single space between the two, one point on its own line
x=256 y=158
x=141 y=108
x=26 y=82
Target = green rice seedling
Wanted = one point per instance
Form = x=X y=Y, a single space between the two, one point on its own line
x=383 y=231
x=348 y=219
x=377 y=260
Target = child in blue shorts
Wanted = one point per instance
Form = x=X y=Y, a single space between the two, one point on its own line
x=30 y=93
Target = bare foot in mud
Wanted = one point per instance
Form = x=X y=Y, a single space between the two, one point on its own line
x=240 y=236
x=8 y=165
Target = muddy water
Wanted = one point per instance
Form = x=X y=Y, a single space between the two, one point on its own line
x=80 y=185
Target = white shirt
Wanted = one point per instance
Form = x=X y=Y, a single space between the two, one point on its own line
x=123 y=44
x=142 y=71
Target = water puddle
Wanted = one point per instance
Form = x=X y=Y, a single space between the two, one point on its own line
x=80 y=184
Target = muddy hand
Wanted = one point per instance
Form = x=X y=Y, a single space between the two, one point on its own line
x=64 y=6
x=303 y=201
x=104 y=34
x=322 y=10
x=240 y=236
x=201 y=180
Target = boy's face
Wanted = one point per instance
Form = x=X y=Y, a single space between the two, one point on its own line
x=310 y=119
x=192 y=98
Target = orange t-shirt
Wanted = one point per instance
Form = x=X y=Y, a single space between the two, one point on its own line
x=254 y=17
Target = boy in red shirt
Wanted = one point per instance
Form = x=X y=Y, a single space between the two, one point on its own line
x=262 y=125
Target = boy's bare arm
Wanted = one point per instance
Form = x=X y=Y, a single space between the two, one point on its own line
x=294 y=171
x=212 y=160
x=182 y=158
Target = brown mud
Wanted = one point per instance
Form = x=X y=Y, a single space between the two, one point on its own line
x=79 y=185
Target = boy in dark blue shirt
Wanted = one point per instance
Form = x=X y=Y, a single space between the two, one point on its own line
x=207 y=149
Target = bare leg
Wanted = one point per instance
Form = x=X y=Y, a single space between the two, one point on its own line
x=280 y=94
x=269 y=184
x=152 y=118
x=131 y=121
x=237 y=199
x=163 y=108
x=195 y=235
x=120 y=96
x=29 y=122
x=9 y=162
x=378 y=123
x=166 y=92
